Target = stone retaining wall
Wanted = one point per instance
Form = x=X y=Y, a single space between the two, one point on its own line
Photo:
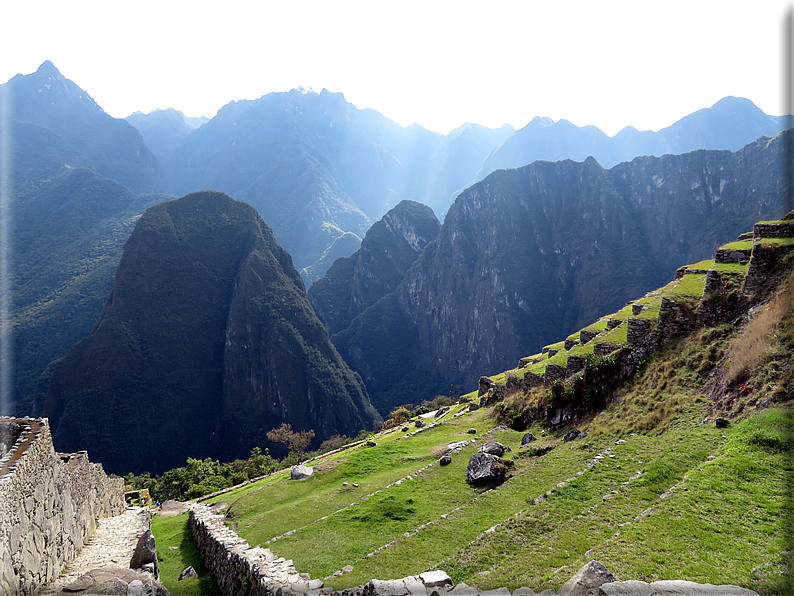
x=240 y=569
x=49 y=504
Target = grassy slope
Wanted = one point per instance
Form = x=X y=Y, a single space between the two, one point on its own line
x=176 y=551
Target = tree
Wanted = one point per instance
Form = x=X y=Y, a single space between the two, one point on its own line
x=296 y=442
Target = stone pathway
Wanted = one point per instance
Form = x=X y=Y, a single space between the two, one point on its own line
x=112 y=544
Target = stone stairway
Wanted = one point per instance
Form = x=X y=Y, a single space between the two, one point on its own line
x=112 y=544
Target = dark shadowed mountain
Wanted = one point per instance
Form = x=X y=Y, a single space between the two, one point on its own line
x=112 y=147
x=205 y=343
x=164 y=130
x=730 y=124
x=529 y=255
x=391 y=246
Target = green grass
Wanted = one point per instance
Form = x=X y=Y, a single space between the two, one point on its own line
x=777 y=241
x=176 y=551
x=738 y=245
x=700 y=266
x=737 y=269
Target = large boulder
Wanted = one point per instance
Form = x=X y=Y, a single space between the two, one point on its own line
x=528 y=438
x=494 y=448
x=484 y=468
x=146 y=554
x=300 y=472
x=114 y=580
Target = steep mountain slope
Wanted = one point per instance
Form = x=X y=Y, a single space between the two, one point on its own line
x=206 y=342
x=531 y=254
x=729 y=124
x=112 y=147
x=390 y=247
x=163 y=130
x=68 y=228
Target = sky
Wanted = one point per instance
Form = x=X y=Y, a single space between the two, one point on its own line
x=438 y=63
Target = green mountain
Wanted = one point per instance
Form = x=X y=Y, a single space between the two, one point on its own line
x=68 y=227
x=532 y=254
x=353 y=284
x=206 y=342
x=111 y=146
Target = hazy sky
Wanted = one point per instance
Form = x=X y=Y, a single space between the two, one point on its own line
x=438 y=63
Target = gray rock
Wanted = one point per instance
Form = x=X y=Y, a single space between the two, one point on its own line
x=496 y=592
x=587 y=580
x=188 y=573
x=435 y=579
x=493 y=448
x=572 y=435
x=671 y=588
x=473 y=406
x=145 y=552
x=526 y=440
x=484 y=468
x=441 y=411
x=485 y=384
x=445 y=460
x=419 y=423
x=524 y=592
x=300 y=472
x=371 y=444
x=472 y=431
x=548 y=592
x=722 y=422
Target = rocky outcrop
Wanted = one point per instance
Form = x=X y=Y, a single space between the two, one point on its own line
x=353 y=284
x=209 y=327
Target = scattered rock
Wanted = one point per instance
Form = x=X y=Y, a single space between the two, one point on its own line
x=472 y=431
x=115 y=580
x=484 y=468
x=188 y=573
x=445 y=460
x=300 y=472
x=485 y=384
x=572 y=435
x=145 y=552
x=587 y=580
x=722 y=422
x=371 y=444
x=493 y=448
x=441 y=411
x=419 y=423
x=473 y=406
x=527 y=439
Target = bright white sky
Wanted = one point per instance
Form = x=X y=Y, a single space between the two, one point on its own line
x=439 y=63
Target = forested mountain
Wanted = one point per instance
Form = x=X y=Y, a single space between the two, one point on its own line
x=529 y=255
x=68 y=228
x=206 y=342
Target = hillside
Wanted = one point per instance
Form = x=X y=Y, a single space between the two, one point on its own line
x=680 y=472
x=206 y=342
x=532 y=254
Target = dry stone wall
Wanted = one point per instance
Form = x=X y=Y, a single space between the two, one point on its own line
x=49 y=504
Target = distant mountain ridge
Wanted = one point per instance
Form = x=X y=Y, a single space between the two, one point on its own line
x=163 y=130
x=730 y=124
